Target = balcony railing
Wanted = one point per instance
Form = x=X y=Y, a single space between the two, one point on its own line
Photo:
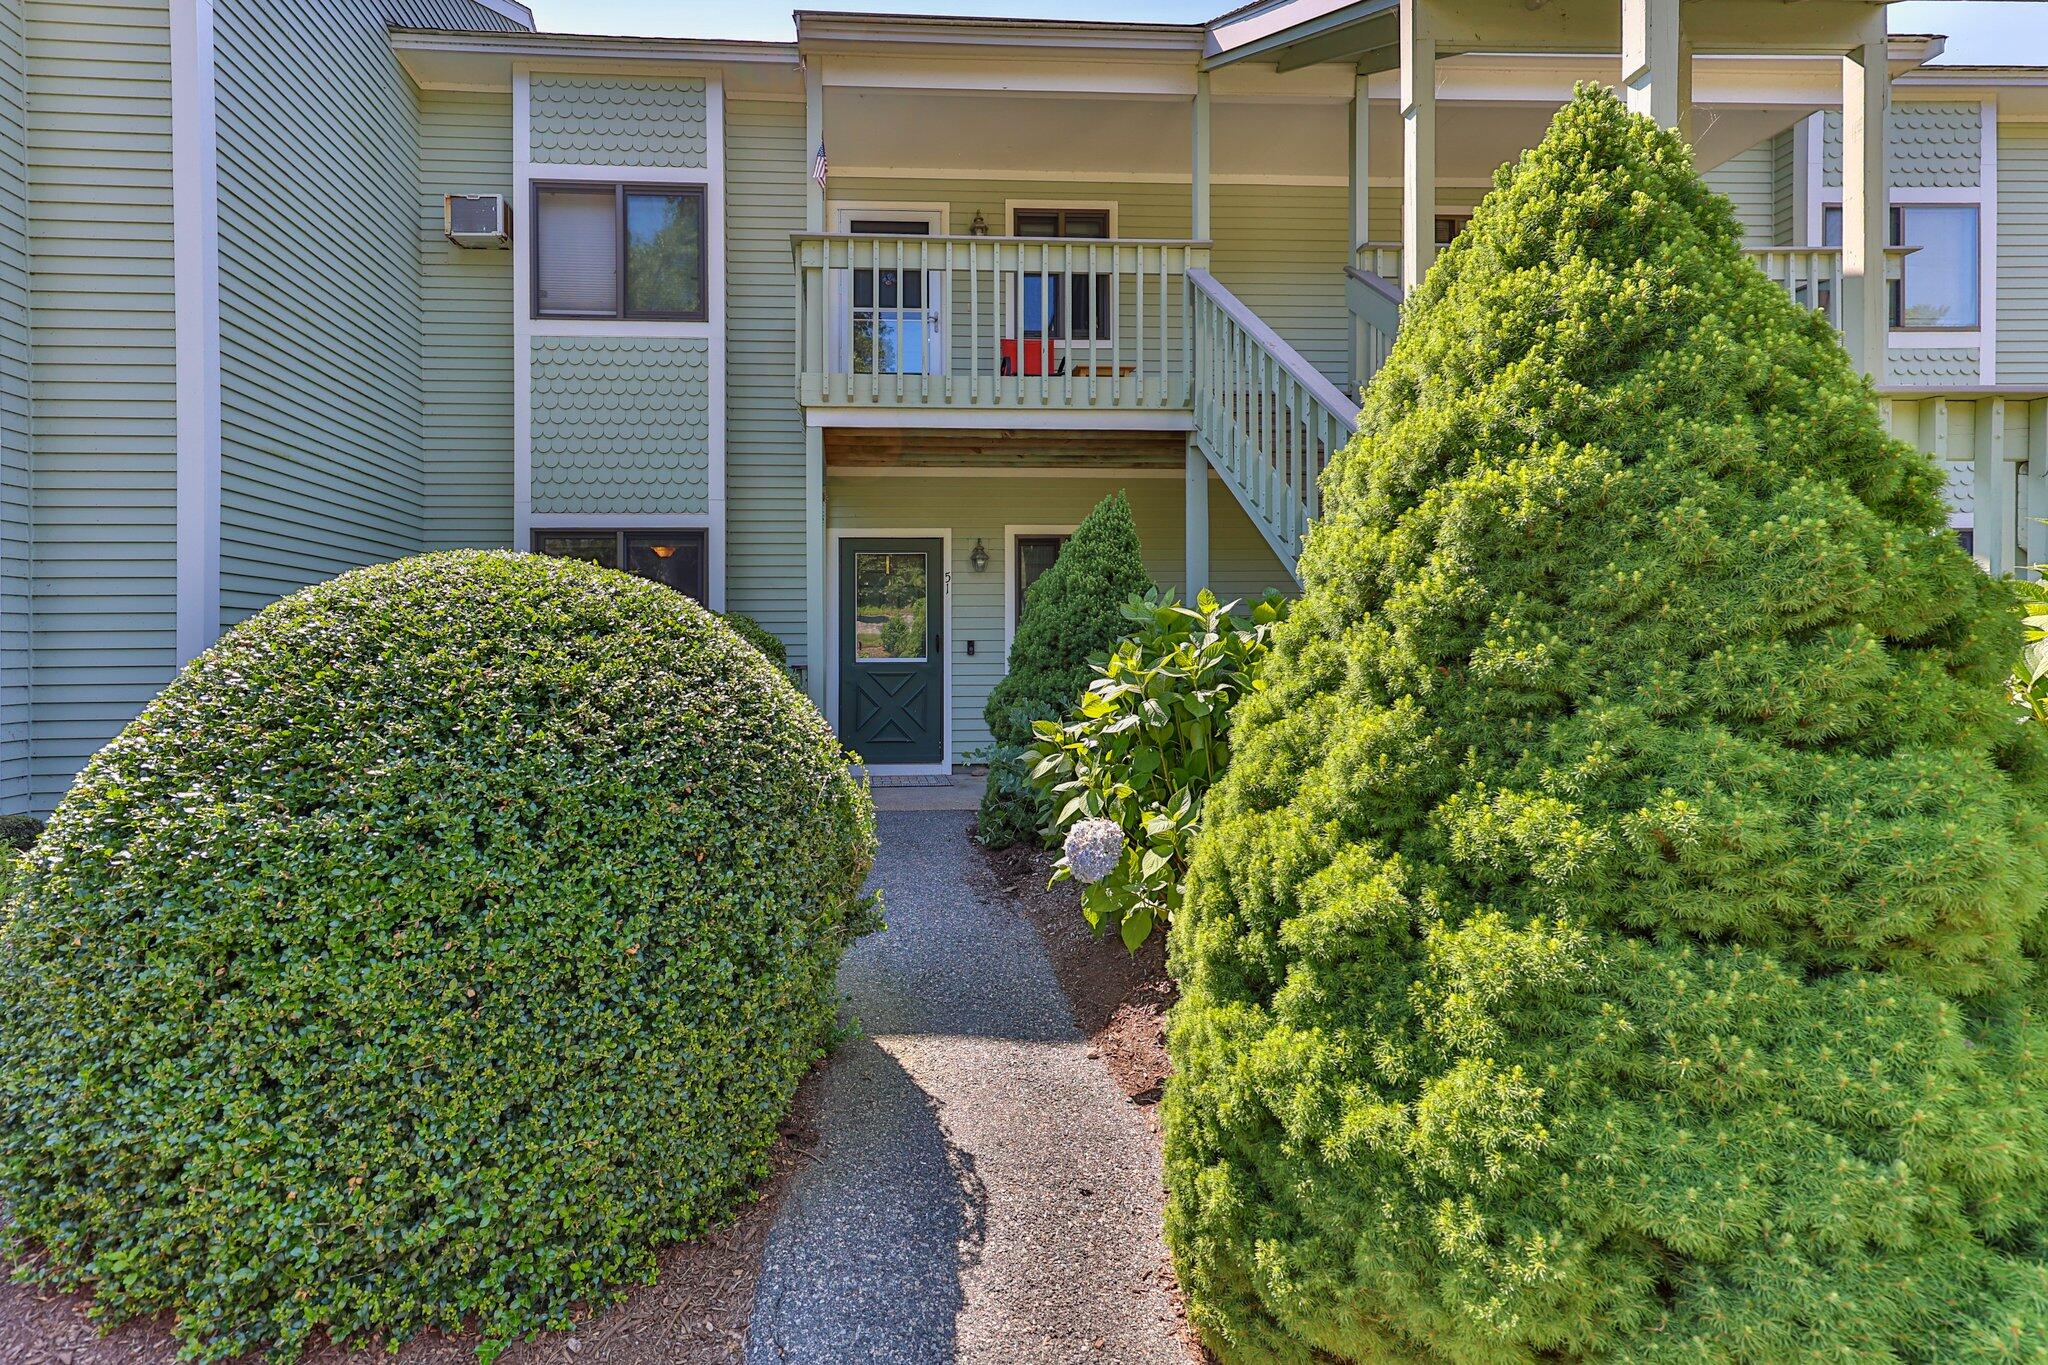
x=1264 y=417
x=1812 y=275
x=1994 y=441
x=994 y=322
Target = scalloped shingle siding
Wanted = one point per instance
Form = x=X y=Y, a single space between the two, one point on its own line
x=605 y=121
x=1938 y=145
x=621 y=425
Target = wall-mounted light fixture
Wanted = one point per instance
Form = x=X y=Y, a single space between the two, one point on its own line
x=979 y=557
x=979 y=227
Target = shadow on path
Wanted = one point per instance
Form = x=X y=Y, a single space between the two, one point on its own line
x=986 y=1193
x=831 y=1288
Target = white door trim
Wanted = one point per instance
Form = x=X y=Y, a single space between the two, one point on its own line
x=944 y=535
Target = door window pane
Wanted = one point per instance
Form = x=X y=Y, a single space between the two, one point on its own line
x=1940 y=284
x=672 y=558
x=1035 y=554
x=600 y=548
x=665 y=253
x=889 y=592
x=576 y=252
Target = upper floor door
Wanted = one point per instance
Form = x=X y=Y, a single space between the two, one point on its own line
x=888 y=306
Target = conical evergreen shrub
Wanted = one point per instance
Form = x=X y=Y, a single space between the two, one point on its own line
x=1619 y=934
x=1073 y=611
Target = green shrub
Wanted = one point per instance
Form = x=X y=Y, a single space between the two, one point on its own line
x=436 y=944
x=1618 y=936
x=1009 y=806
x=1072 y=614
x=755 y=634
x=2029 y=683
x=1151 y=736
x=20 y=832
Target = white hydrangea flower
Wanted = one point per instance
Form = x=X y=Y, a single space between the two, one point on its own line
x=1093 y=849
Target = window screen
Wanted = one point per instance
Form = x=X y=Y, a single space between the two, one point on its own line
x=576 y=253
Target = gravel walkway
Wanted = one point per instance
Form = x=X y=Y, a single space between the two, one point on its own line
x=986 y=1192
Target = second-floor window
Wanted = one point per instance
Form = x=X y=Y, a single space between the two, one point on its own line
x=1940 y=284
x=619 y=251
x=1081 y=307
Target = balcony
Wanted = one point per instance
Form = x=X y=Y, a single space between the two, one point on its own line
x=994 y=323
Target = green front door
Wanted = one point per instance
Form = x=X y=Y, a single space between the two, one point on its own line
x=892 y=684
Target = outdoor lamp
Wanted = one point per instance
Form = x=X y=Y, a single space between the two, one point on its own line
x=979 y=557
x=979 y=227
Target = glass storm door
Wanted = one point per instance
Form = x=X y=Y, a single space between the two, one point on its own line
x=892 y=685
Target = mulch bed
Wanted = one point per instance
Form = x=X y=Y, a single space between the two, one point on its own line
x=1119 y=999
x=694 y=1314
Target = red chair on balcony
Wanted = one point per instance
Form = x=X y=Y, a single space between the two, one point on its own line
x=1032 y=358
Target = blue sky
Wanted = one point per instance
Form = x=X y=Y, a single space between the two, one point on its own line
x=1987 y=31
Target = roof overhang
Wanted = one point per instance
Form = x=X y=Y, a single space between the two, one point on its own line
x=1365 y=34
x=444 y=59
x=938 y=35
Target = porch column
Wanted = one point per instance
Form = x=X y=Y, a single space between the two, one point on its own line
x=1866 y=95
x=814 y=565
x=1197 y=521
x=814 y=138
x=1418 y=142
x=1198 y=207
x=1650 y=59
x=1361 y=158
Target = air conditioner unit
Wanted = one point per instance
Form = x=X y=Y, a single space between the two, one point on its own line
x=476 y=220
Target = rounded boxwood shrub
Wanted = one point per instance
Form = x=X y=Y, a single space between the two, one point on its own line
x=1618 y=936
x=757 y=635
x=442 y=940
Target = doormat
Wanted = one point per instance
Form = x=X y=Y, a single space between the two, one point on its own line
x=905 y=780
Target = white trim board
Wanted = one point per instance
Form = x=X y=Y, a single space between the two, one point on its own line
x=975 y=472
x=993 y=418
x=830 y=606
x=195 y=219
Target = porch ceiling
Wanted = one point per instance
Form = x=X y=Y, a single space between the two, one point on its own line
x=1489 y=111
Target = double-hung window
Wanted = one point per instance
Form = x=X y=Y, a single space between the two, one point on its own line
x=1081 y=307
x=677 y=559
x=619 y=251
x=1940 y=284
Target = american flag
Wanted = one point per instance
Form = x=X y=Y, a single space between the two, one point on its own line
x=820 y=167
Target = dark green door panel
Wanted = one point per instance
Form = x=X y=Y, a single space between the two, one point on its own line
x=892 y=681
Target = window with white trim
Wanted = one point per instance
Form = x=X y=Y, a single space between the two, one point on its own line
x=677 y=559
x=619 y=251
x=1940 y=285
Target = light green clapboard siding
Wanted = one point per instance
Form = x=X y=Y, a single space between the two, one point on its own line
x=1749 y=179
x=982 y=508
x=621 y=425
x=619 y=121
x=765 y=168
x=2023 y=254
x=1786 y=225
x=1928 y=143
x=465 y=328
x=319 y=302
x=14 y=412
x=1283 y=249
x=103 y=387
